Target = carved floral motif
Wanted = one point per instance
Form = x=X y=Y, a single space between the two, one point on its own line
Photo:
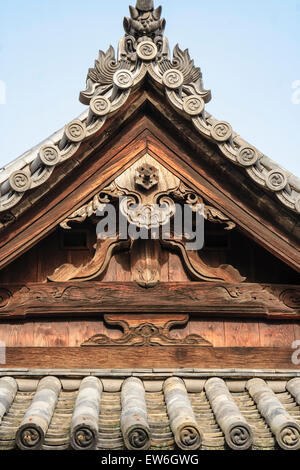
x=146 y=176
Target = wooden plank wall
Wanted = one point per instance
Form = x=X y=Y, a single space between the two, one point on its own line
x=219 y=333
x=44 y=258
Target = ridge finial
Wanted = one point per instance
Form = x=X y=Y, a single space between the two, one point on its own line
x=144 y=5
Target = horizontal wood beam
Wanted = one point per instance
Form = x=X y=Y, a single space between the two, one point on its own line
x=218 y=300
x=150 y=357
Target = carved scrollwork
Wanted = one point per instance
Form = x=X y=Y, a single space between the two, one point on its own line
x=148 y=215
x=215 y=215
x=96 y=266
x=144 y=333
x=105 y=67
x=148 y=196
x=145 y=262
x=190 y=76
x=291 y=298
x=198 y=269
x=5 y=296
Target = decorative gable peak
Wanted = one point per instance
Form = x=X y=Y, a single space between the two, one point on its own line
x=144 y=50
x=143 y=53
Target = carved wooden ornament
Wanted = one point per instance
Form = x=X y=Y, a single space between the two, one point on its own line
x=137 y=331
x=148 y=195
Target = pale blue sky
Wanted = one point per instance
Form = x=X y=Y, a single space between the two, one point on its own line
x=248 y=52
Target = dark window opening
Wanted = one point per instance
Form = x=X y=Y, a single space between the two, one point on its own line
x=74 y=240
x=217 y=241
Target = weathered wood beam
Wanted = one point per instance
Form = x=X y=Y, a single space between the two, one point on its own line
x=134 y=417
x=184 y=426
x=150 y=357
x=282 y=424
x=8 y=390
x=274 y=302
x=85 y=419
x=34 y=426
x=237 y=431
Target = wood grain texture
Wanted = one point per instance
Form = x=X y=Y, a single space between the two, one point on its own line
x=212 y=331
x=297 y=331
x=250 y=301
x=198 y=269
x=73 y=333
x=118 y=358
x=145 y=265
x=242 y=334
x=276 y=334
x=95 y=267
